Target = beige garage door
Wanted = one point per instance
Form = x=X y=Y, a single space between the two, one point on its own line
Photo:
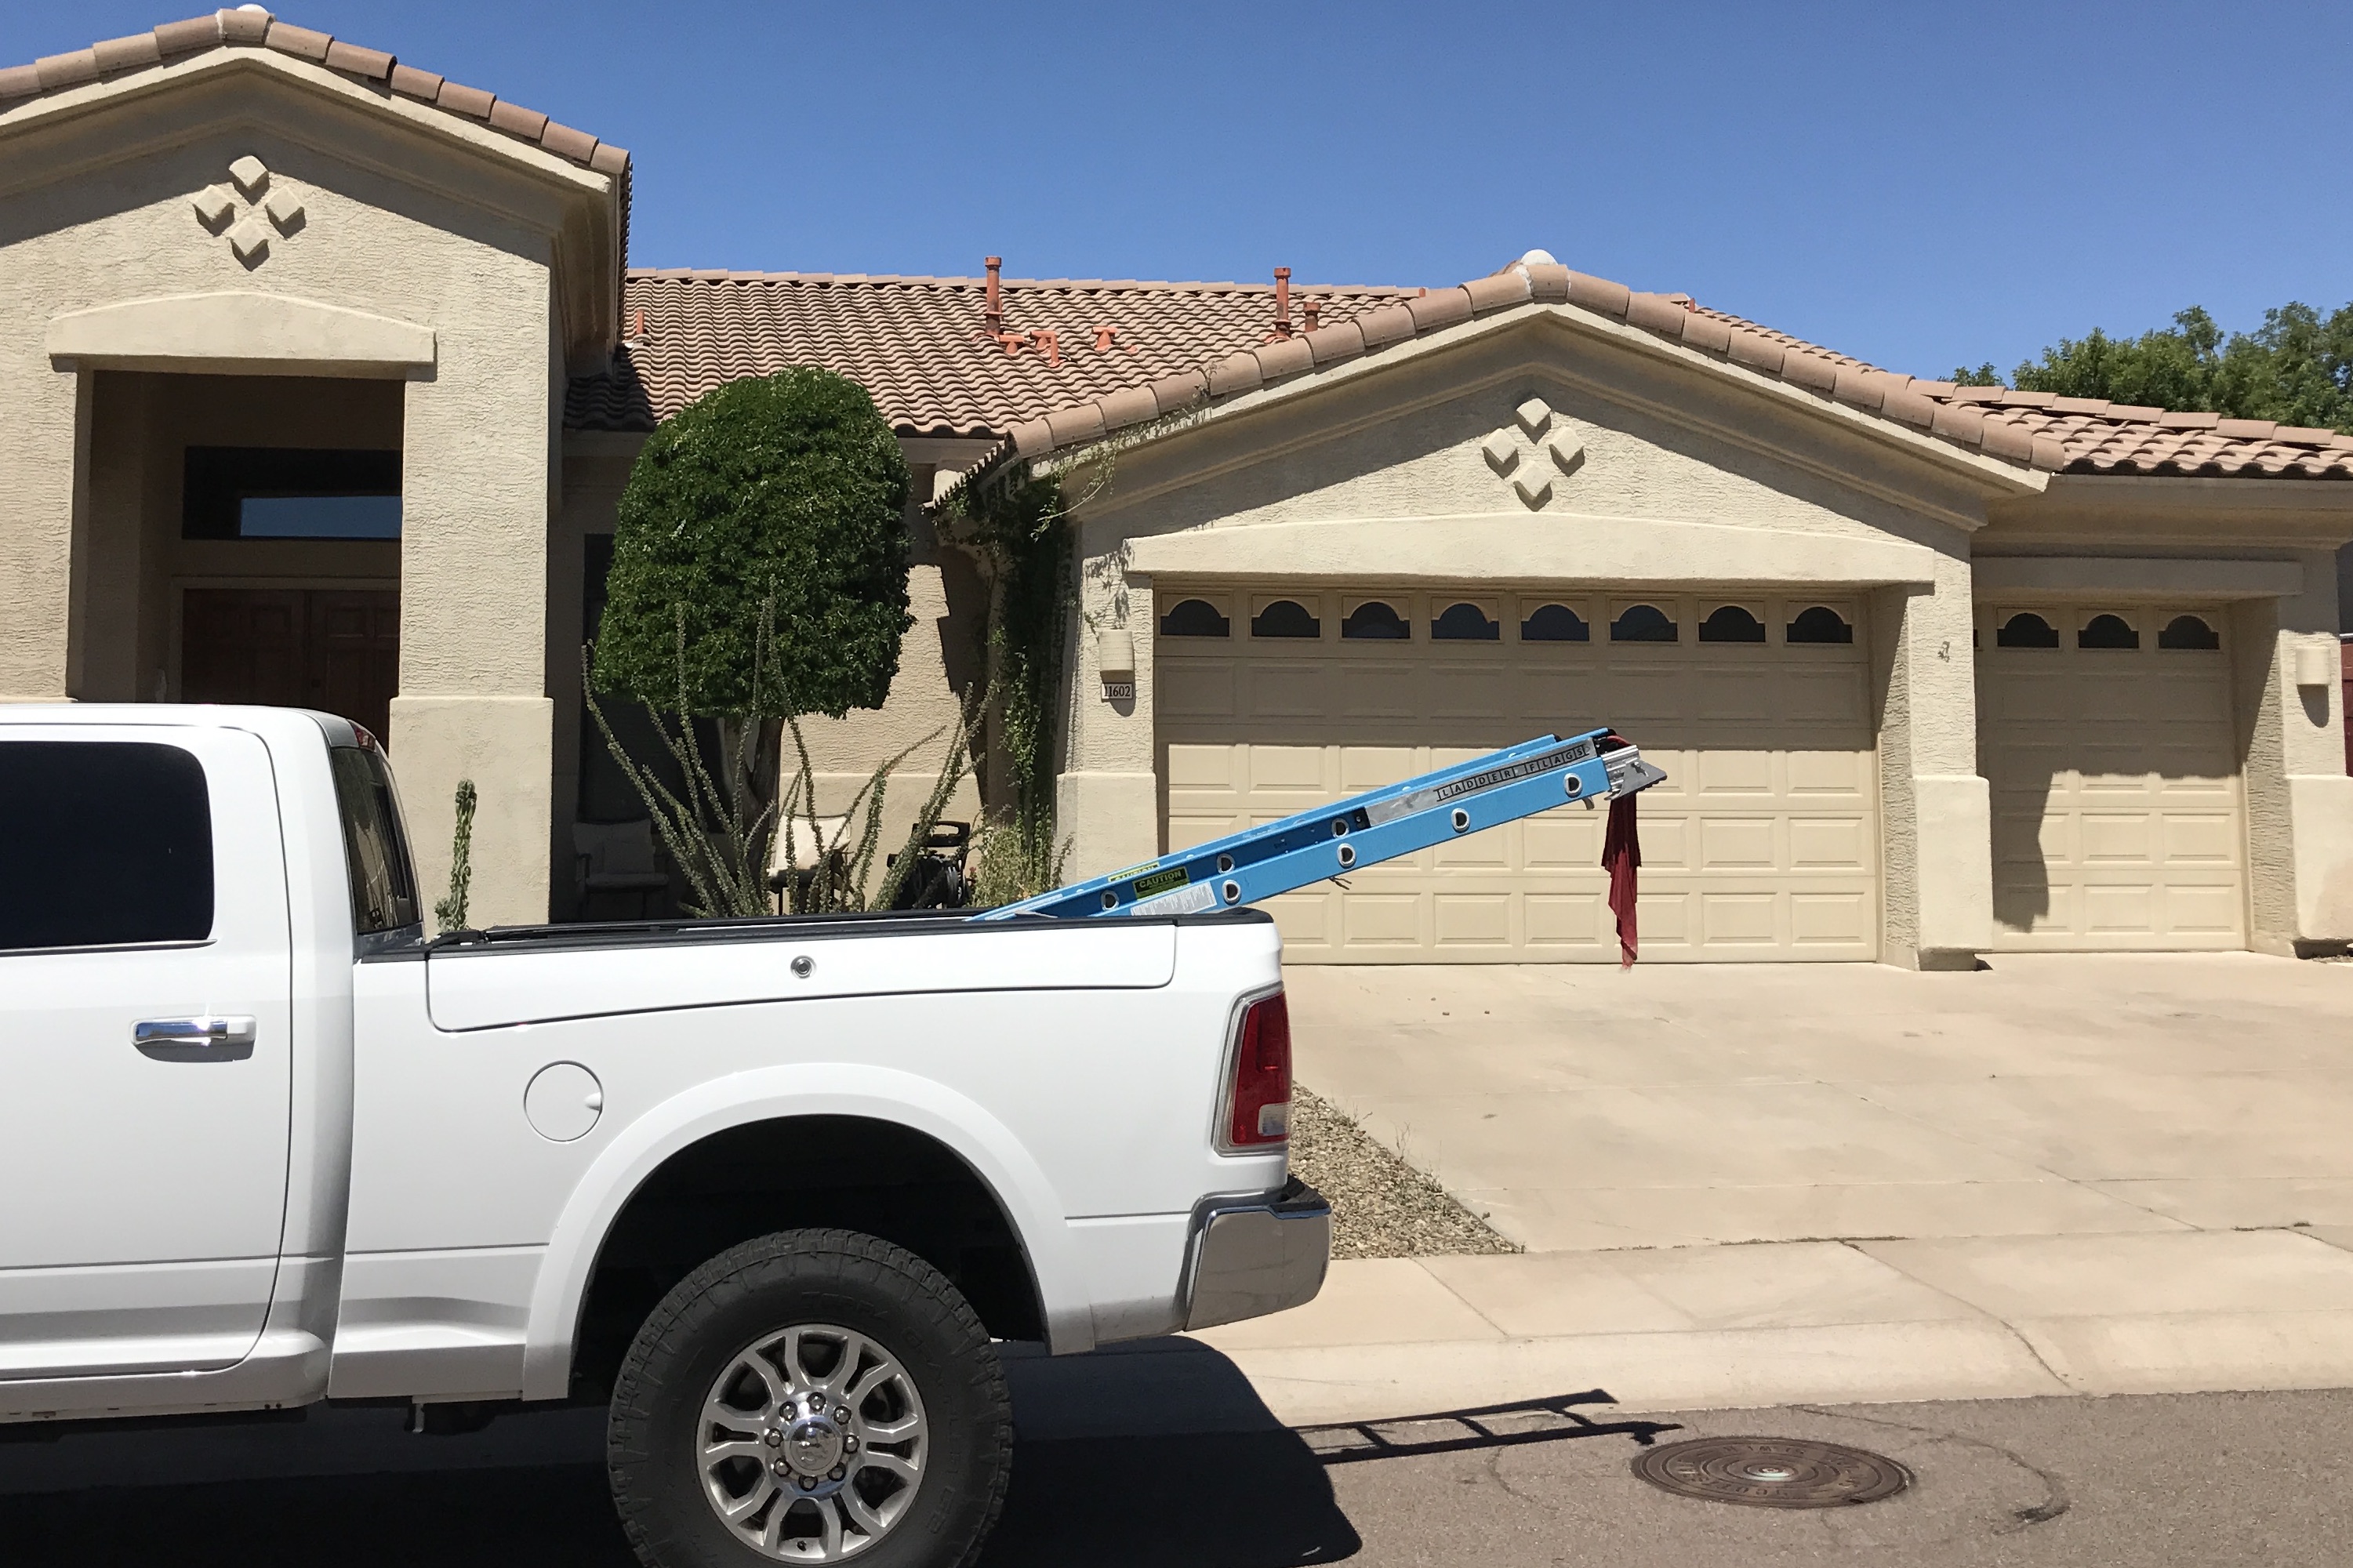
x=1761 y=844
x=2104 y=731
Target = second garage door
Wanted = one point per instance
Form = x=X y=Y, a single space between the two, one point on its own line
x=2104 y=733
x=1761 y=844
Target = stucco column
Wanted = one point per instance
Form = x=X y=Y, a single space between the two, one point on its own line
x=2299 y=800
x=1107 y=799
x=43 y=484
x=1935 y=817
x=475 y=481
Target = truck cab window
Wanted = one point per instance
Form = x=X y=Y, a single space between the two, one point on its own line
x=108 y=843
x=384 y=885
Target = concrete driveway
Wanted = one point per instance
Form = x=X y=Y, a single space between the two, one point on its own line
x=1782 y=1183
x=1661 y=1107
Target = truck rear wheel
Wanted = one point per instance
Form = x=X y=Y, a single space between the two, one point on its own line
x=811 y=1396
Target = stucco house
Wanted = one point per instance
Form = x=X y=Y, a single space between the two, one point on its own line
x=321 y=375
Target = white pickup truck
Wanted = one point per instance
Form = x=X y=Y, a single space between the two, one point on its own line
x=772 y=1190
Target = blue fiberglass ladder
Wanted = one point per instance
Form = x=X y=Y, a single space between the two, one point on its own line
x=1380 y=825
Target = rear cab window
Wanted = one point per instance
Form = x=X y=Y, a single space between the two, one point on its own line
x=375 y=850
x=107 y=844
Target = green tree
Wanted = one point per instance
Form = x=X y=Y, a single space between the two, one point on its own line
x=2295 y=368
x=759 y=573
x=780 y=496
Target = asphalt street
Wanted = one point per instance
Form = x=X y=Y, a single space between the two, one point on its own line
x=1170 y=1459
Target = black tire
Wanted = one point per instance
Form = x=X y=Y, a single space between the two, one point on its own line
x=814 y=1277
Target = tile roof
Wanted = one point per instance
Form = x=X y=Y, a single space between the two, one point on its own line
x=250 y=26
x=2033 y=430
x=2097 y=437
x=917 y=345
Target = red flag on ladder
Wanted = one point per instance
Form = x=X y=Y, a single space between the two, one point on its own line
x=1621 y=856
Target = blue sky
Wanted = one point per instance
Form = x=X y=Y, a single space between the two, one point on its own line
x=1920 y=186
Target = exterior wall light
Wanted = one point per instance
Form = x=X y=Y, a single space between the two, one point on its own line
x=1115 y=664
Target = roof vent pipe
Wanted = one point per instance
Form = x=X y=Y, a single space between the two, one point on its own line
x=993 y=314
x=1282 y=302
x=1311 y=309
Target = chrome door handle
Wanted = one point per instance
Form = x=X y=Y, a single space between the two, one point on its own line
x=206 y=1039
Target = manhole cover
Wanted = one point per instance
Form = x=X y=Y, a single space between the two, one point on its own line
x=1772 y=1472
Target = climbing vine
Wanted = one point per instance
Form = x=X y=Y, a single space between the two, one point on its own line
x=1019 y=522
x=1021 y=531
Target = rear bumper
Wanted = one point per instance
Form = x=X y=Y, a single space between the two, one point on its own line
x=1255 y=1256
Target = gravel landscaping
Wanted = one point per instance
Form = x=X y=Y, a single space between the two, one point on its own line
x=1381 y=1206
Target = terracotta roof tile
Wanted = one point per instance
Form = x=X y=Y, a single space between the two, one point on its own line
x=1286 y=356
x=1172 y=392
x=1654 y=313
x=915 y=343
x=470 y=101
x=1815 y=372
x=516 y=121
x=185 y=37
x=2038 y=430
x=1706 y=333
x=369 y=65
x=1332 y=345
x=410 y=82
x=1131 y=406
x=247 y=29
x=1548 y=281
x=1756 y=351
x=1497 y=290
x=304 y=43
x=1441 y=308
x=1074 y=426
x=566 y=143
x=128 y=54
x=1236 y=372
x=1598 y=294
x=61 y=71
x=1389 y=324
x=242 y=27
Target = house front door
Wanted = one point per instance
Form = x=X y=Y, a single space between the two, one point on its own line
x=337 y=649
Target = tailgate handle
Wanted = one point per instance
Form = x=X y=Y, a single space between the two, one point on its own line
x=206 y=1039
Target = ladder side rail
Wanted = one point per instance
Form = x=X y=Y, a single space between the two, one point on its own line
x=1308 y=864
x=1281 y=837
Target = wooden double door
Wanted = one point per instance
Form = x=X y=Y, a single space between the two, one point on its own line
x=337 y=649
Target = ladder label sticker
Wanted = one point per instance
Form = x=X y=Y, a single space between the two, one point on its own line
x=1133 y=871
x=1454 y=789
x=1161 y=883
x=1190 y=900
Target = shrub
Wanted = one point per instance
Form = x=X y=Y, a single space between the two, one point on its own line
x=780 y=496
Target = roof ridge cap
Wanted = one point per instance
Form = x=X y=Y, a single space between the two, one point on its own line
x=1788 y=361
x=258 y=32
x=1118 y=285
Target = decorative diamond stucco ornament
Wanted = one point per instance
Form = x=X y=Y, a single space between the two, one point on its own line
x=214 y=206
x=249 y=238
x=253 y=221
x=1533 y=451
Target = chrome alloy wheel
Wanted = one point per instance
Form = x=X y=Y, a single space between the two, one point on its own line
x=811 y=1445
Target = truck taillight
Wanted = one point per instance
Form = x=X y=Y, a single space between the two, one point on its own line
x=1258 y=1100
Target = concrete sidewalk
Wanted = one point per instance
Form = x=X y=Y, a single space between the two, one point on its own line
x=1813 y=1322
x=1753 y=1185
